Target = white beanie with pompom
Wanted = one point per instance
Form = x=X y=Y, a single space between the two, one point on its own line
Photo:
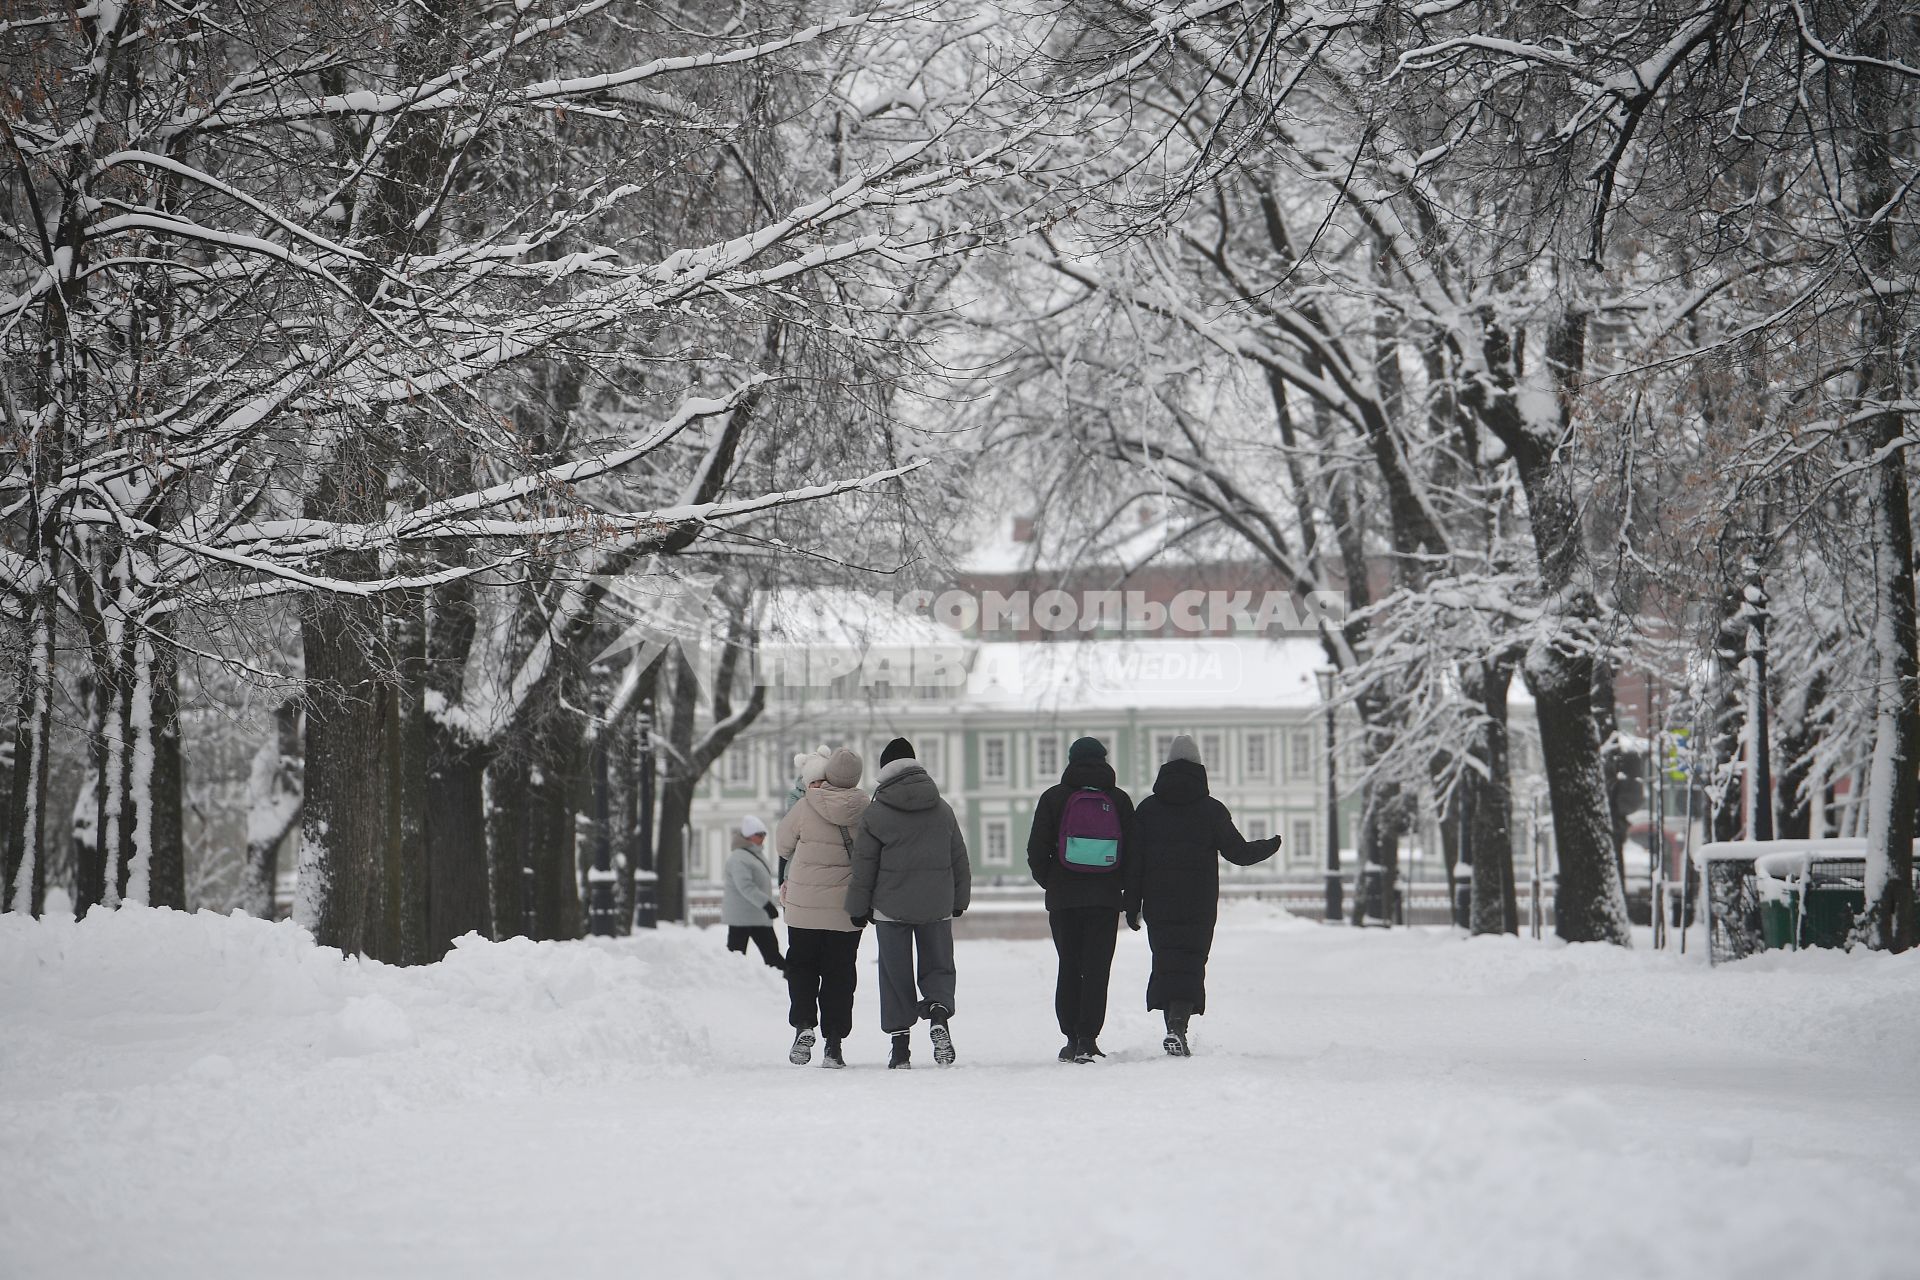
x=812 y=765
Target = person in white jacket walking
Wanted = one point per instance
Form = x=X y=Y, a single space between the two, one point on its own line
x=746 y=899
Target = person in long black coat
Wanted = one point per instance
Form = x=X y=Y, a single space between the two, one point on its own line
x=1178 y=831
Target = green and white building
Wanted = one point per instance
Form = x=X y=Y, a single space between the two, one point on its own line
x=997 y=740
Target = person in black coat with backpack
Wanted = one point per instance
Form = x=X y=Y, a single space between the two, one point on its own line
x=1178 y=830
x=1085 y=870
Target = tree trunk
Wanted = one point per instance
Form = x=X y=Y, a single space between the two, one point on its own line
x=676 y=789
x=509 y=836
x=404 y=852
x=1894 y=788
x=557 y=791
x=1589 y=903
x=1491 y=834
x=23 y=878
x=458 y=893
x=162 y=843
x=535 y=788
x=670 y=849
x=1613 y=758
x=1799 y=735
x=344 y=894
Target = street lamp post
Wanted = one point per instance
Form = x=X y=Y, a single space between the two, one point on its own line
x=1328 y=679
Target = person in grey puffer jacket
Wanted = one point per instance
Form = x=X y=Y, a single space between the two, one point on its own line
x=746 y=897
x=911 y=877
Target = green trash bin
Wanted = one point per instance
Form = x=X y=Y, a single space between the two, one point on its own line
x=1776 y=921
x=1831 y=909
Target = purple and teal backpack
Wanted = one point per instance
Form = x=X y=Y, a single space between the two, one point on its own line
x=1090 y=832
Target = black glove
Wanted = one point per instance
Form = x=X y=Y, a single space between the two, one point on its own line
x=859 y=922
x=1133 y=919
x=773 y=912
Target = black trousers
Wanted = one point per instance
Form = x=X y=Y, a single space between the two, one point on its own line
x=1084 y=938
x=821 y=978
x=761 y=936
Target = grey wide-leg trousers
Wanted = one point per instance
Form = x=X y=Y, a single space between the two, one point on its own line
x=899 y=1009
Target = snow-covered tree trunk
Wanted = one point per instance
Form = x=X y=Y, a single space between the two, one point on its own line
x=23 y=879
x=1589 y=900
x=274 y=805
x=134 y=850
x=1884 y=101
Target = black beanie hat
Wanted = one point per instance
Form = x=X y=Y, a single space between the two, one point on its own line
x=898 y=749
x=1086 y=751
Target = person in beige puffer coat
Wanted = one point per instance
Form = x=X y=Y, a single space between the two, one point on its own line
x=822 y=941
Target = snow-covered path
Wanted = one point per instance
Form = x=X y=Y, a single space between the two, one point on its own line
x=195 y=1096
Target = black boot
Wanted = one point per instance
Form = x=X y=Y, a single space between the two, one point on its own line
x=1069 y=1049
x=831 y=1056
x=802 y=1052
x=1176 y=1041
x=1086 y=1049
x=938 y=1033
x=901 y=1056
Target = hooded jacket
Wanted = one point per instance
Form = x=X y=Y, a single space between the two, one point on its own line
x=814 y=836
x=1178 y=830
x=909 y=859
x=1070 y=890
x=1181 y=829
x=747 y=890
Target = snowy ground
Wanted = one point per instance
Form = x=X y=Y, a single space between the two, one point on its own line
x=198 y=1097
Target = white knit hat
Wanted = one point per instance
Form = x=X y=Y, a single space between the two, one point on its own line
x=751 y=826
x=812 y=765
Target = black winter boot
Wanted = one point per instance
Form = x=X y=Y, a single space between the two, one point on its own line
x=901 y=1056
x=941 y=1037
x=1086 y=1050
x=1068 y=1050
x=1176 y=1041
x=802 y=1052
x=830 y=1057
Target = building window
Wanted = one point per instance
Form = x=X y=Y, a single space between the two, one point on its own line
x=928 y=754
x=999 y=850
x=1303 y=850
x=1046 y=756
x=740 y=765
x=1256 y=752
x=1300 y=754
x=993 y=758
x=1257 y=829
x=1212 y=754
x=1162 y=747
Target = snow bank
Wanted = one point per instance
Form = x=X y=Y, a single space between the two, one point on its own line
x=263 y=997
